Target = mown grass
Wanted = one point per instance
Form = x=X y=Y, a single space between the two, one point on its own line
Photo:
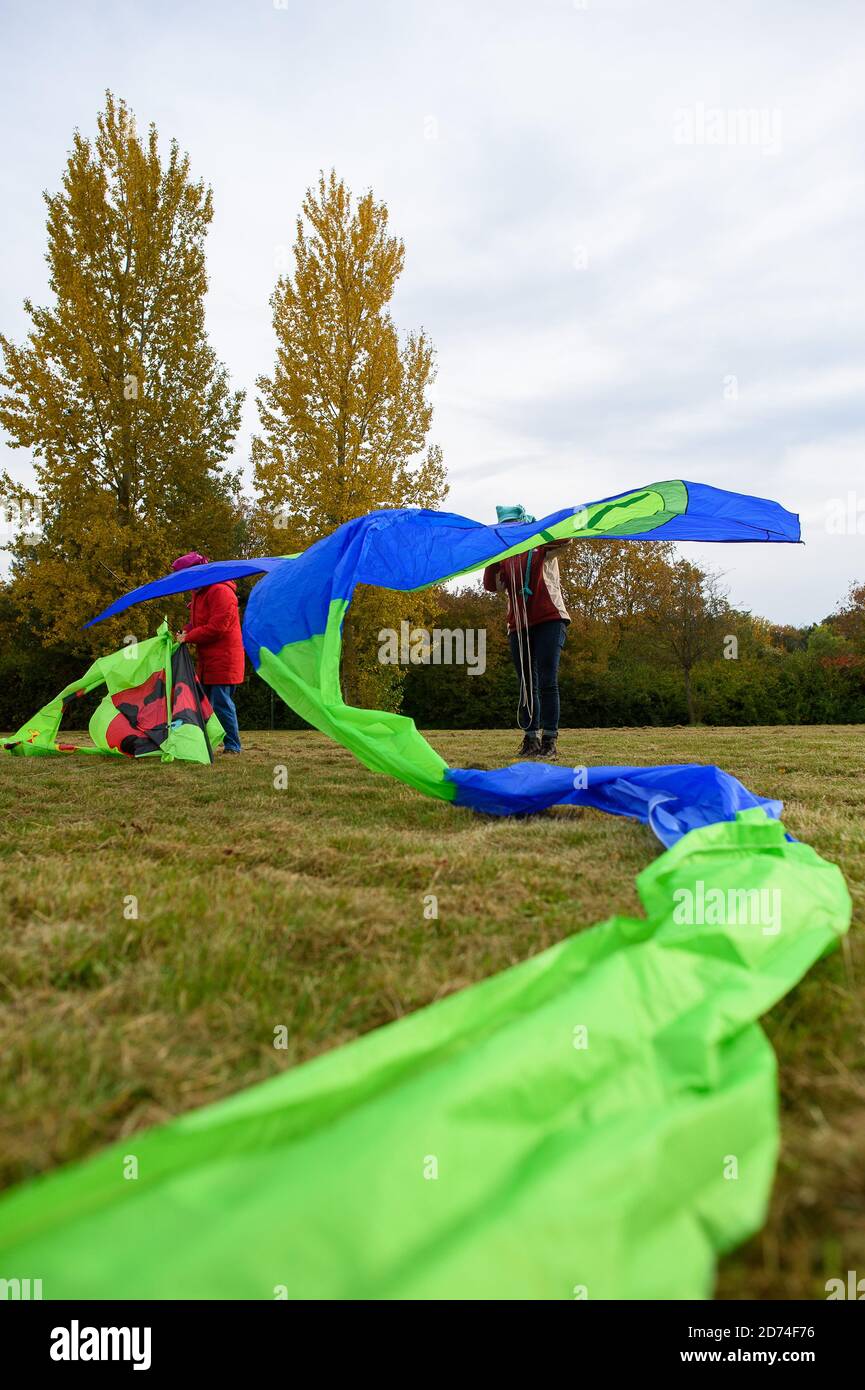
x=303 y=907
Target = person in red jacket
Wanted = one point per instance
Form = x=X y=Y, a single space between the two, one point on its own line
x=537 y=624
x=214 y=627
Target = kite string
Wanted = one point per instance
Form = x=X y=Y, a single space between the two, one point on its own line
x=526 y=693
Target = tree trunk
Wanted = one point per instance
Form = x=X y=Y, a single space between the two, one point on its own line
x=348 y=672
x=689 y=696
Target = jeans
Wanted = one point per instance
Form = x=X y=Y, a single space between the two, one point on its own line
x=223 y=707
x=545 y=642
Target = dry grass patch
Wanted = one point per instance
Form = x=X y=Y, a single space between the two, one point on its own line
x=304 y=907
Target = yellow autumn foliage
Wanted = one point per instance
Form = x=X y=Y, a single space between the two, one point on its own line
x=116 y=393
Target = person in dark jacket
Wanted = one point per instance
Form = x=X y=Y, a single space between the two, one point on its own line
x=214 y=628
x=537 y=625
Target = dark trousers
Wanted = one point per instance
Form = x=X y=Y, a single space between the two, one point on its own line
x=221 y=697
x=544 y=642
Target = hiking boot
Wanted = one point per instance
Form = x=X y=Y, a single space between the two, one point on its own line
x=530 y=747
x=549 y=752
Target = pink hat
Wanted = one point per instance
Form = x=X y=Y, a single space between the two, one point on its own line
x=192 y=557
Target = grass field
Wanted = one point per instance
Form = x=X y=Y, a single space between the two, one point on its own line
x=304 y=907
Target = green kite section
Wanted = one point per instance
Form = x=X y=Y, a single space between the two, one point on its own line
x=305 y=675
x=154 y=706
x=599 y=1121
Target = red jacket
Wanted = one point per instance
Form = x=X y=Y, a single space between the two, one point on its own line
x=545 y=602
x=214 y=627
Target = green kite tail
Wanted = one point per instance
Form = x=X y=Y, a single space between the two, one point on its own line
x=599 y=1121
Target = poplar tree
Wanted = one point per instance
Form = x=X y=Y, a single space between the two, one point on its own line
x=345 y=412
x=116 y=392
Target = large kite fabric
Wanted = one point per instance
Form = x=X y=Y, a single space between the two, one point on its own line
x=599 y=1121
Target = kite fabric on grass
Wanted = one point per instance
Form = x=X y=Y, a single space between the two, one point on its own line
x=563 y=1129
x=154 y=707
x=478 y=1149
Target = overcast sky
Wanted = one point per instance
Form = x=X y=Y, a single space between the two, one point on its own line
x=634 y=230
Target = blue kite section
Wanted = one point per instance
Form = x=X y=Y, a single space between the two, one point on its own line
x=671 y=800
x=197 y=577
x=729 y=518
x=411 y=548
